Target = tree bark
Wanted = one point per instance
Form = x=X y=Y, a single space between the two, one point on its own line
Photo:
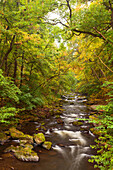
x=15 y=70
x=7 y=53
x=21 y=74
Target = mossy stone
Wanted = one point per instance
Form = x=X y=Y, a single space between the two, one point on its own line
x=3 y=138
x=23 y=153
x=60 y=121
x=47 y=145
x=39 y=138
x=77 y=123
x=57 y=116
x=16 y=134
x=29 y=138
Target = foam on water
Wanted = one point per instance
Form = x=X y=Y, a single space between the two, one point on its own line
x=74 y=136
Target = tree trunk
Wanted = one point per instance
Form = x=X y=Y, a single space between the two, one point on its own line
x=15 y=70
x=7 y=53
x=21 y=74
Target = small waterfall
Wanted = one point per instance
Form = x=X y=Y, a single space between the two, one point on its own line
x=62 y=151
x=73 y=136
x=76 y=162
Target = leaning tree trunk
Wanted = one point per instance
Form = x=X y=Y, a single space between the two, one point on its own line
x=21 y=74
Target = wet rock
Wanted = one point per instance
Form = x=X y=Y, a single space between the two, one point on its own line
x=3 y=138
x=60 y=121
x=39 y=138
x=23 y=142
x=77 y=123
x=72 y=103
x=28 y=146
x=42 y=128
x=10 y=149
x=61 y=145
x=57 y=116
x=24 y=153
x=28 y=138
x=47 y=145
x=16 y=134
x=83 y=129
x=7 y=155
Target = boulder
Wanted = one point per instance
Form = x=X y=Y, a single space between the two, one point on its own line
x=3 y=138
x=24 y=153
x=16 y=134
x=60 y=121
x=47 y=145
x=77 y=123
x=39 y=138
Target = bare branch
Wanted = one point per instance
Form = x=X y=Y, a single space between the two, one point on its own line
x=103 y=36
x=70 y=10
x=105 y=64
x=57 y=22
x=86 y=32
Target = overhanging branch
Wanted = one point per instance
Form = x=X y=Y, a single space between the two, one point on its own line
x=70 y=10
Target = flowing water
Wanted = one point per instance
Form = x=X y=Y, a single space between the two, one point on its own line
x=71 y=144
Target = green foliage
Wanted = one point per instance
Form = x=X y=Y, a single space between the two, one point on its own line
x=28 y=100
x=8 y=89
x=104 y=143
x=90 y=88
x=6 y=113
x=109 y=107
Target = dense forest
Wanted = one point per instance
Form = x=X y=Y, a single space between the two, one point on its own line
x=49 y=47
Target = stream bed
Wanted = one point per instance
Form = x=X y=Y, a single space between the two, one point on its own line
x=70 y=142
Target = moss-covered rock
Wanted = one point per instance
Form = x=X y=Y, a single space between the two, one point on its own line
x=57 y=116
x=60 y=121
x=39 y=138
x=24 y=153
x=28 y=146
x=42 y=128
x=47 y=145
x=3 y=138
x=10 y=149
x=28 y=138
x=23 y=142
x=16 y=134
x=77 y=123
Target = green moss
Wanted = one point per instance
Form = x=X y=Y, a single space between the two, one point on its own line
x=47 y=145
x=43 y=128
x=16 y=134
x=23 y=153
x=57 y=116
x=77 y=123
x=39 y=138
x=3 y=137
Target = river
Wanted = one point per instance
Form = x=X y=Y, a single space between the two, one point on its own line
x=71 y=144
